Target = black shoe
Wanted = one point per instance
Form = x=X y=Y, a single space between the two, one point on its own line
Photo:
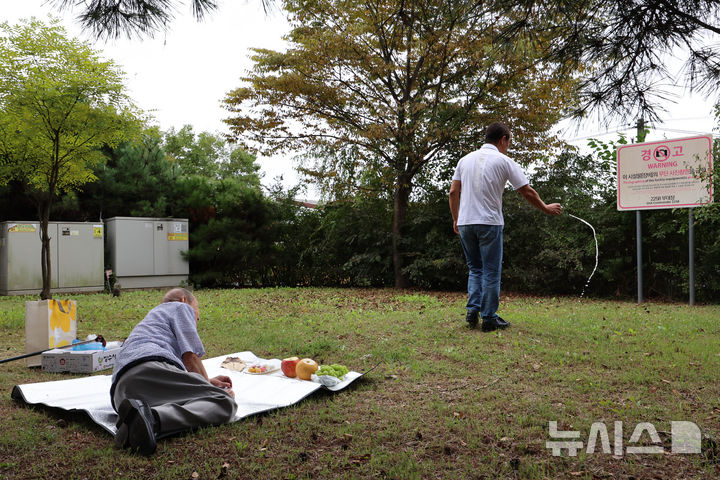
x=472 y=319
x=494 y=324
x=137 y=427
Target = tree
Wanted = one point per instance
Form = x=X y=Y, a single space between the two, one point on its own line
x=145 y=177
x=113 y=18
x=389 y=90
x=628 y=50
x=60 y=103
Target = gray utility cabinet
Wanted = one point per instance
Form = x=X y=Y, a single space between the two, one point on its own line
x=147 y=252
x=76 y=257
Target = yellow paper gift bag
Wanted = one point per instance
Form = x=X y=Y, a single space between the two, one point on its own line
x=49 y=324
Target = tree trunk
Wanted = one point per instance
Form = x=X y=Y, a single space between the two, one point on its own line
x=400 y=204
x=45 y=263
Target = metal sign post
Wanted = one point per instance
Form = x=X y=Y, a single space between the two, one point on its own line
x=691 y=256
x=638 y=229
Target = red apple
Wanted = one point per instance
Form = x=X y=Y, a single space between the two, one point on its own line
x=288 y=366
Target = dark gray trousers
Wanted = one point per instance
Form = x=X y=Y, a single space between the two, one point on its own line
x=182 y=400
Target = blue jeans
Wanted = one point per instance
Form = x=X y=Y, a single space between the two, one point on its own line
x=483 y=247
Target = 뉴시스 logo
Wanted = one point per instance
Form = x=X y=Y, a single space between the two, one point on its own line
x=686 y=438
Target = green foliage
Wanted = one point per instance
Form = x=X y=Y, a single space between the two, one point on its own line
x=349 y=244
x=136 y=180
x=236 y=247
x=557 y=254
x=435 y=258
x=60 y=104
x=346 y=242
x=707 y=221
x=144 y=177
x=15 y=203
x=209 y=155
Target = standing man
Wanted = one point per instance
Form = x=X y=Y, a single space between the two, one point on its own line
x=159 y=385
x=476 y=208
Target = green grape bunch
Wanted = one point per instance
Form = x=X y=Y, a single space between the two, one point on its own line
x=334 y=370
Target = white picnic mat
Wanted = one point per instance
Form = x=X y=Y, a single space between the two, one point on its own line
x=253 y=393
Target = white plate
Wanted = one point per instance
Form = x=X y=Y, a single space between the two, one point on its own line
x=270 y=369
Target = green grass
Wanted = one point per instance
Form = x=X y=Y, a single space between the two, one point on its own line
x=443 y=402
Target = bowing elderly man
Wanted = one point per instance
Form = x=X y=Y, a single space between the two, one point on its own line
x=159 y=384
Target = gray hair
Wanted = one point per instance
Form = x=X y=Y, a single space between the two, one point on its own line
x=177 y=294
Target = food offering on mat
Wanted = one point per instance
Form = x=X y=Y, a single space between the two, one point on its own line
x=234 y=363
x=305 y=368
x=334 y=370
x=260 y=369
x=288 y=366
x=330 y=375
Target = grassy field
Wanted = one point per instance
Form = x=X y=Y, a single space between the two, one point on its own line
x=444 y=402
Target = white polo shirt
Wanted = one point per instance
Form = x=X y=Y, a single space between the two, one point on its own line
x=483 y=175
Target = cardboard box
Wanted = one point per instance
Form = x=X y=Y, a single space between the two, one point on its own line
x=54 y=360
x=83 y=361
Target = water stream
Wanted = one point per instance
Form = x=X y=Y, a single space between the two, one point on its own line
x=596 y=253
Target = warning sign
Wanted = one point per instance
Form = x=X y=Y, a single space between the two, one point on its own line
x=177 y=236
x=97 y=231
x=22 y=227
x=665 y=174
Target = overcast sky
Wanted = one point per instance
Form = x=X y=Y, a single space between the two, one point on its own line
x=181 y=76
